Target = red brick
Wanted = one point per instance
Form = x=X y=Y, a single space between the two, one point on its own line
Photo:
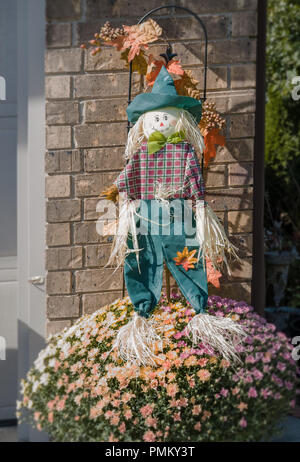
x=232 y=199
x=240 y=221
x=236 y=150
x=104 y=159
x=63 y=60
x=92 y=302
x=218 y=6
x=62 y=112
x=216 y=176
x=58 y=137
x=61 y=258
x=97 y=279
x=105 y=110
x=58 y=234
x=96 y=255
x=63 y=210
x=244 y=24
x=58 y=282
x=63 y=161
x=58 y=35
x=242 y=125
x=86 y=233
x=58 y=87
x=107 y=60
x=232 y=51
x=66 y=306
x=92 y=184
x=66 y=10
x=243 y=76
x=99 y=86
x=240 y=174
x=96 y=135
x=58 y=186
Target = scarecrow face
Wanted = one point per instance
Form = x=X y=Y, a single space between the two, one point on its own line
x=161 y=120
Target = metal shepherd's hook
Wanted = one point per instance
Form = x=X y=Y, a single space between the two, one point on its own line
x=168 y=55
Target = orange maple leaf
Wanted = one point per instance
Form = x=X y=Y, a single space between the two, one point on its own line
x=174 y=67
x=117 y=42
x=155 y=65
x=211 y=139
x=186 y=259
x=139 y=36
x=213 y=275
x=136 y=37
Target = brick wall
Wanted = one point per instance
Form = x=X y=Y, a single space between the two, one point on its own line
x=86 y=132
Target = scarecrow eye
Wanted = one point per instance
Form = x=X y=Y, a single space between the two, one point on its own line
x=156 y=119
x=165 y=117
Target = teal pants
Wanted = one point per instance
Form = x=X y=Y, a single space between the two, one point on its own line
x=162 y=232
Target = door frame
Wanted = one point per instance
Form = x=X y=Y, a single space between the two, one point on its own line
x=258 y=267
x=31 y=190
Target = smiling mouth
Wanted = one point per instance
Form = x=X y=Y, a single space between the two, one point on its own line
x=161 y=129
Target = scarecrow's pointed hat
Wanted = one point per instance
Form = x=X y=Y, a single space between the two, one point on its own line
x=163 y=94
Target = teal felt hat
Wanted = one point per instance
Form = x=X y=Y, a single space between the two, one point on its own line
x=163 y=94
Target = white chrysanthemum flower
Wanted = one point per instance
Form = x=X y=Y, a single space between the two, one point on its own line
x=44 y=379
x=52 y=362
x=35 y=386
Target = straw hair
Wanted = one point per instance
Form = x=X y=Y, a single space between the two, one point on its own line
x=187 y=123
x=135 y=137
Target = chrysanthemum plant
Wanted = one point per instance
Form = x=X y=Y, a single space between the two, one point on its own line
x=80 y=390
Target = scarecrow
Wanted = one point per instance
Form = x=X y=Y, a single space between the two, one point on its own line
x=164 y=218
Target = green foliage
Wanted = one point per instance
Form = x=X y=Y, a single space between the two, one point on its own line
x=283 y=50
x=282 y=137
x=282 y=144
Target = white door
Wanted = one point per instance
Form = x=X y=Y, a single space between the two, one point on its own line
x=22 y=198
x=31 y=190
x=8 y=208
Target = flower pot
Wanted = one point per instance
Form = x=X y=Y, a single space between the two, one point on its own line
x=277 y=270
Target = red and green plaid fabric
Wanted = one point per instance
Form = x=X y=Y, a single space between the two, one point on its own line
x=176 y=166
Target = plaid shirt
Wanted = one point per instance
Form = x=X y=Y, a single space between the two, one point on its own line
x=176 y=166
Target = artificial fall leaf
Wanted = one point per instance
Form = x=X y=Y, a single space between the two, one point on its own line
x=174 y=67
x=139 y=63
x=117 y=42
x=211 y=139
x=193 y=93
x=186 y=259
x=155 y=65
x=213 y=275
x=111 y=193
x=139 y=36
x=187 y=84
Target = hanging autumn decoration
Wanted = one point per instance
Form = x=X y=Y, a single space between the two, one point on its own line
x=133 y=42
